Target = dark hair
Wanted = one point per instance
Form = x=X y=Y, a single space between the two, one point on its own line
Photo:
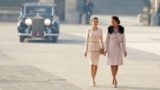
x=120 y=29
x=94 y=18
x=116 y=18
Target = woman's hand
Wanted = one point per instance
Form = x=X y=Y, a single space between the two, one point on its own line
x=125 y=54
x=85 y=54
x=105 y=52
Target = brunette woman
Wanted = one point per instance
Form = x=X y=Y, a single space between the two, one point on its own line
x=115 y=47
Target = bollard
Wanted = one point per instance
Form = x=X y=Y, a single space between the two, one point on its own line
x=140 y=18
x=84 y=19
x=154 y=20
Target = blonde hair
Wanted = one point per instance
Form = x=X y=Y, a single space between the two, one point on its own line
x=94 y=18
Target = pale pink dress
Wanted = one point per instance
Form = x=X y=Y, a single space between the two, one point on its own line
x=115 y=45
x=93 y=44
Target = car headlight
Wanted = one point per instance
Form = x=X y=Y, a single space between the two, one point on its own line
x=18 y=24
x=28 y=21
x=47 y=22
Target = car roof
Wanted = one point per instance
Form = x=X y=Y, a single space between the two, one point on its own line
x=42 y=4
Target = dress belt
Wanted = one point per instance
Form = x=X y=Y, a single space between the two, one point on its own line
x=93 y=42
x=117 y=42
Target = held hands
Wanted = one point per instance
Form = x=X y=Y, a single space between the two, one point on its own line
x=125 y=54
x=85 y=54
x=105 y=52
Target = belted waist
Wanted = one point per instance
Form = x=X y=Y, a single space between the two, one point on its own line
x=93 y=42
x=94 y=46
x=115 y=41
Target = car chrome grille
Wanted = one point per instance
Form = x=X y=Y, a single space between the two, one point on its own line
x=38 y=26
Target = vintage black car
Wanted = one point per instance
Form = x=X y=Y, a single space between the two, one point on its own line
x=38 y=21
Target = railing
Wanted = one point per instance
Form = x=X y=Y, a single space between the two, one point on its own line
x=9 y=15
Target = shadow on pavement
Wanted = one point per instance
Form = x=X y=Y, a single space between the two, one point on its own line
x=60 y=41
x=136 y=88
x=71 y=41
x=138 y=55
x=39 y=41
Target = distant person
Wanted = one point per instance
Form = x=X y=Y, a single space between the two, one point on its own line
x=115 y=47
x=94 y=46
x=30 y=11
x=88 y=7
x=147 y=4
x=158 y=13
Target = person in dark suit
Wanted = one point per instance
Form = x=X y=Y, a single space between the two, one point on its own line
x=158 y=13
x=88 y=7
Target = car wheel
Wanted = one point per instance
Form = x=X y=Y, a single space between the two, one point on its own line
x=21 y=38
x=54 y=38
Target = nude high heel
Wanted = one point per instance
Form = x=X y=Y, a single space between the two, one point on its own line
x=93 y=84
x=115 y=84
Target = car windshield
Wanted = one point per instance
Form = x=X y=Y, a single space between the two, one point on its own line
x=39 y=9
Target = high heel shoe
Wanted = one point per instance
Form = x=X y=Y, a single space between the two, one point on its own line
x=93 y=84
x=115 y=84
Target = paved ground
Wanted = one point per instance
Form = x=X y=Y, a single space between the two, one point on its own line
x=25 y=77
x=43 y=65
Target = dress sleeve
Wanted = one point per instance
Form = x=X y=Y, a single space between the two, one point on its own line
x=107 y=42
x=124 y=43
x=86 y=41
x=101 y=40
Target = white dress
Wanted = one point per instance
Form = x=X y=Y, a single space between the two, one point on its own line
x=115 y=45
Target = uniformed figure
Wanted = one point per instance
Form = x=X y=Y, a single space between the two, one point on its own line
x=88 y=7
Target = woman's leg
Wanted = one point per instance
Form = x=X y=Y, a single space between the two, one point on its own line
x=94 y=65
x=116 y=69
x=93 y=73
x=113 y=70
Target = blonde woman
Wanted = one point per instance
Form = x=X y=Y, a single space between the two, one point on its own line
x=94 y=46
x=115 y=46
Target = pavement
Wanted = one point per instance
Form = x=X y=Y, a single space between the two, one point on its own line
x=42 y=65
x=18 y=76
